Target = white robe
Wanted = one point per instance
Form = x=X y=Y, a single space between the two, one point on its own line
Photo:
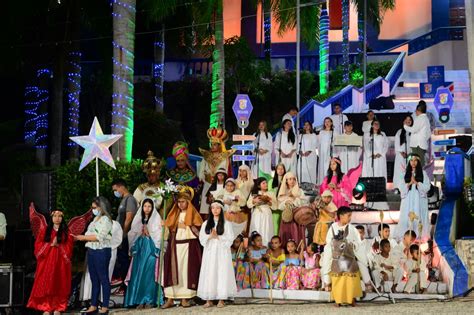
x=217 y=279
x=282 y=143
x=380 y=164
x=414 y=200
x=413 y=278
x=326 y=139
x=261 y=219
x=203 y=169
x=350 y=156
x=395 y=275
x=264 y=160
x=338 y=123
x=400 y=164
x=307 y=166
x=235 y=206
x=366 y=125
x=354 y=238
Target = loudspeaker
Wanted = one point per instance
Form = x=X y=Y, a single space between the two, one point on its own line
x=12 y=284
x=382 y=102
x=375 y=188
x=37 y=187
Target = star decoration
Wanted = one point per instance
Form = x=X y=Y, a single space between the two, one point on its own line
x=96 y=145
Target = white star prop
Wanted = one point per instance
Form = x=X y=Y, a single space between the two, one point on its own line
x=96 y=145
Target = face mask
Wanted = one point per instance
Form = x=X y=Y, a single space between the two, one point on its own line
x=96 y=212
x=117 y=194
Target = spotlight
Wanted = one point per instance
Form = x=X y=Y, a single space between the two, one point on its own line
x=358 y=191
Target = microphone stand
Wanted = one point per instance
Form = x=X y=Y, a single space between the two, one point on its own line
x=300 y=158
x=341 y=116
x=257 y=147
x=279 y=149
x=330 y=148
x=373 y=144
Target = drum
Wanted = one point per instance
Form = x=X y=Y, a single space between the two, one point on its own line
x=304 y=215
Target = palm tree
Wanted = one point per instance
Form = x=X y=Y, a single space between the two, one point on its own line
x=324 y=50
x=345 y=41
x=123 y=13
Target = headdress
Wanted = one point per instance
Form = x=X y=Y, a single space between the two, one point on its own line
x=217 y=135
x=218 y=203
x=414 y=157
x=336 y=159
x=152 y=165
x=327 y=193
x=231 y=180
x=180 y=150
x=185 y=192
x=57 y=211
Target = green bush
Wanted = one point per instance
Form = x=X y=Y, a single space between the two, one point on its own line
x=75 y=190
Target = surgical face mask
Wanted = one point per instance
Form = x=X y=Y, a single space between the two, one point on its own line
x=96 y=212
x=117 y=194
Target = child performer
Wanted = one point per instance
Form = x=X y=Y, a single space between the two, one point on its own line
x=241 y=267
x=144 y=239
x=258 y=270
x=386 y=267
x=349 y=156
x=366 y=245
x=262 y=202
x=384 y=234
x=415 y=269
x=289 y=277
x=343 y=241
x=233 y=201
x=244 y=181
x=280 y=171
x=337 y=183
x=217 y=185
x=402 y=250
x=276 y=256
x=311 y=274
x=325 y=149
x=285 y=146
x=327 y=214
x=216 y=279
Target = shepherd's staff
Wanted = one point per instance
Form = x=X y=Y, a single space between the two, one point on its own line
x=271 y=276
x=420 y=229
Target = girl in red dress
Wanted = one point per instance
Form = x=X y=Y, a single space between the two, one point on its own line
x=53 y=252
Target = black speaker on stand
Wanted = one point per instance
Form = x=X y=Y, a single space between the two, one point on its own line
x=37 y=187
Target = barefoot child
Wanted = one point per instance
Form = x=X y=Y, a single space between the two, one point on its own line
x=241 y=268
x=290 y=271
x=258 y=270
x=416 y=271
x=386 y=267
x=276 y=256
x=311 y=273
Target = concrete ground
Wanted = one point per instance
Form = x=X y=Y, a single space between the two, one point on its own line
x=254 y=307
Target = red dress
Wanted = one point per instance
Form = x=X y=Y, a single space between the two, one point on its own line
x=52 y=285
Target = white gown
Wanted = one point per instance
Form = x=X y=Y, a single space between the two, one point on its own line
x=282 y=143
x=326 y=139
x=264 y=160
x=400 y=164
x=217 y=279
x=262 y=219
x=380 y=164
x=308 y=168
x=338 y=123
x=414 y=200
x=350 y=156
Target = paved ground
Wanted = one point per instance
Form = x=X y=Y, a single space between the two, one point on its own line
x=458 y=306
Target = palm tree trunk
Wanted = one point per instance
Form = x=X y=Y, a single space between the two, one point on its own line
x=218 y=66
x=42 y=116
x=360 y=33
x=74 y=91
x=159 y=69
x=57 y=107
x=324 y=50
x=345 y=41
x=123 y=13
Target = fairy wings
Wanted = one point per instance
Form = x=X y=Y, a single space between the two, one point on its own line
x=76 y=225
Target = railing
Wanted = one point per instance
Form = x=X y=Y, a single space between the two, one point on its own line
x=435 y=37
x=396 y=71
x=373 y=90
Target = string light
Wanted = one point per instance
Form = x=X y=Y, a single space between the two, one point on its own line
x=360 y=32
x=267 y=29
x=123 y=60
x=41 y=110
x=324 y=52
x=73 y=97
x=345 y=41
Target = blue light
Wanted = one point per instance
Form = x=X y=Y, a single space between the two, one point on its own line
x=73 y=97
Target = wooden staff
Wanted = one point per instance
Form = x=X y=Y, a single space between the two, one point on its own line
x=299 y=245
x=420 y=230
x=271 y=276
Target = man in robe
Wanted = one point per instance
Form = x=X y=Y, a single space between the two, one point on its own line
x=152 y=168
x=338 y=119
x=217 y=157
x=182 y=261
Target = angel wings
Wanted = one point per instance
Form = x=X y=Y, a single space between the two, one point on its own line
x=76 y=225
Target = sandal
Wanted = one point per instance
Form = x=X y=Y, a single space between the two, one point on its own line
x=185 y=304
x=221 y=304
x=208 y=304
x=168 y=304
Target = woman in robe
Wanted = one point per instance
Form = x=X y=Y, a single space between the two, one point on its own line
x=285 y=146
x=244 y=181
x=233 y=200
x=308 y=161
x=375 y=151
x=325 y=148
x=263 y=146
x=216 y=279
x=53 y=252
x=182 y=260
x=290 y=197
x=262 y=202
x=144 y=240
x=217 y=185
x=414 y=199
x=338 y=184
x=402 y=150
x=280 y=171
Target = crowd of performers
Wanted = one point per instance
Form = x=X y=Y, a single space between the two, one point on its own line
x=221 y=234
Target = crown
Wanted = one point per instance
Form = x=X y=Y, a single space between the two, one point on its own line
x=152 y=165
x=185 y=192
x=217 y=135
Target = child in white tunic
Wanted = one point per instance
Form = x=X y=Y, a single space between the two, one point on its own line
x=350 y=156
x=262 y=202
x=216 y=279
x=325 y=148
x=307 y=163
x=402 y=150
x=415 y=269
x=285 y=146
x=233 y=201
x=386 y=267
x=375 y=151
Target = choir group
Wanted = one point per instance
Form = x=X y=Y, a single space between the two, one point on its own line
x=222 y=235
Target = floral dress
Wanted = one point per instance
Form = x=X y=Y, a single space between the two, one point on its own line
x=241 y=270
x=311 y=275
x=275 y=270
x=258 y=271
x=289 y=277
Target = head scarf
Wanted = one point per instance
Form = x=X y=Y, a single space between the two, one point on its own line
x=284 y=190
x=193 y=218
x=153 y=226
x=327 y=193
